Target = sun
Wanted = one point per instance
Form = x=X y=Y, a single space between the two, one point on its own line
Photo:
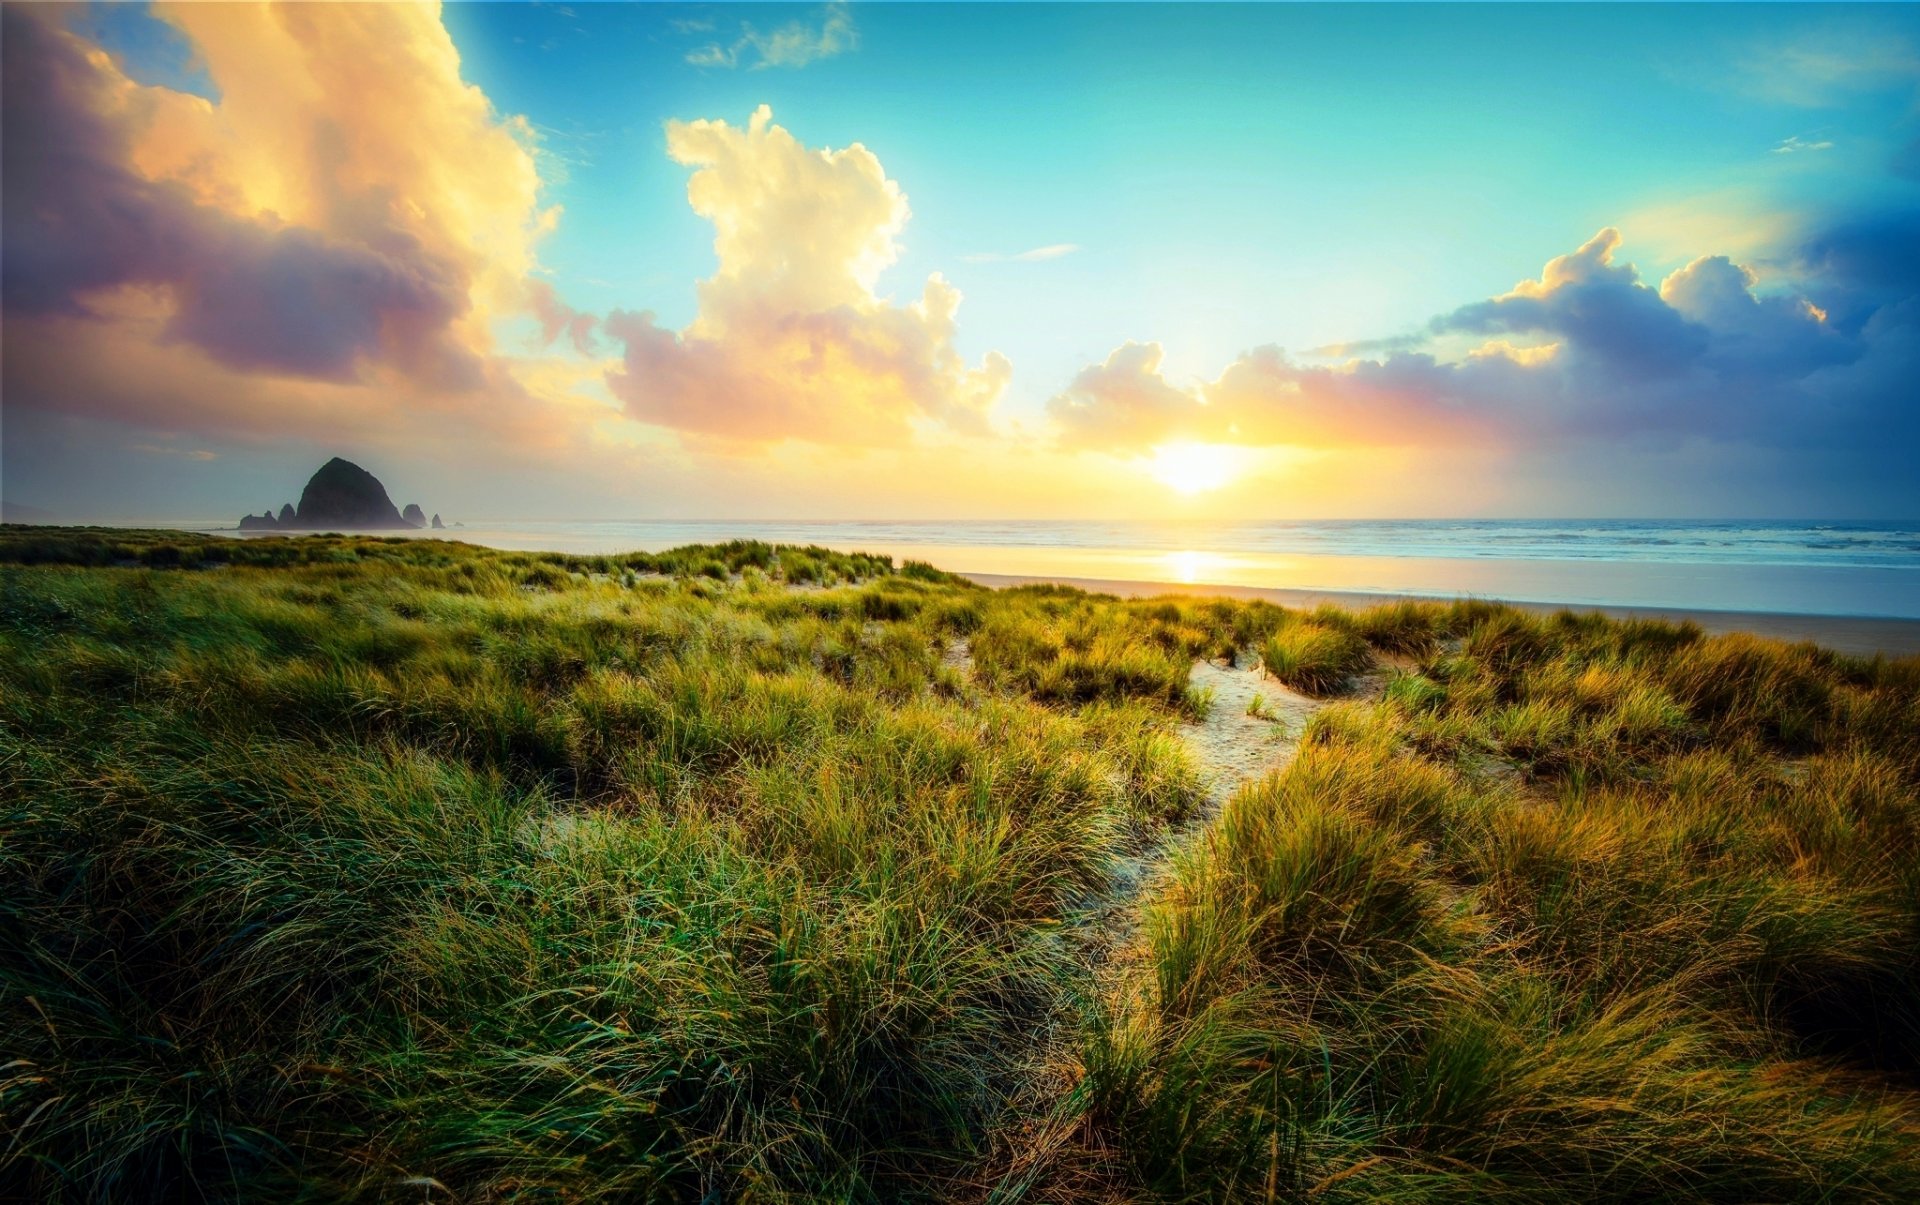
x=1195 y=468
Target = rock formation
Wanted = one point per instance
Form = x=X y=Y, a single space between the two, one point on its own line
x=437 y=524
x=344 y=495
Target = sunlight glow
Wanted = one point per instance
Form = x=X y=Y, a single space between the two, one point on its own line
x=1193 y=468
x=1186 y=567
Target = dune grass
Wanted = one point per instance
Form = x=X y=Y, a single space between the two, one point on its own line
x=1313 y=657
x=1674 y=957
x=342 y=868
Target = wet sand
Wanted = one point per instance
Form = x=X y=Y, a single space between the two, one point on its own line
x=1862 y=635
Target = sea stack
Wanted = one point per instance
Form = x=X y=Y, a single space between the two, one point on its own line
x=343 y=495
x=437 y=524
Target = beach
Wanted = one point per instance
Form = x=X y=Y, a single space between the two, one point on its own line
x=1859 y=635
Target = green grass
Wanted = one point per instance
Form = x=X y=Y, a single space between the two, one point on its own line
x=1314 y=657
x=1673 y=958
x=348 y=868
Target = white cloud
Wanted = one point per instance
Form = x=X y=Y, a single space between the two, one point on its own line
x=794 y=44
x=791 y=340
x=1795 y=144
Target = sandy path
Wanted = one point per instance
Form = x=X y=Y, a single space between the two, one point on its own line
x=1253 y=728
x=958 y=657
x=1230 y=748
x=1233 y=746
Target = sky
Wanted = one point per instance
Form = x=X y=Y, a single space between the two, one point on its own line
x=934 y=261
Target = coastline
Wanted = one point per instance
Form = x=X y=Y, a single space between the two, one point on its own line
x=1857 y=634
x=1860 y=635
x=1797 y=569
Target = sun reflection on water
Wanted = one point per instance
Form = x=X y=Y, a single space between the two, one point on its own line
x=1187 y=566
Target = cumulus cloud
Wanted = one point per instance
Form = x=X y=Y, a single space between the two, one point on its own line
x=290 y=250
x=1606 y=313
x=252 y=290
x=1124 y=402
x=794 y=44
x=791 y=340
x=1587 y=355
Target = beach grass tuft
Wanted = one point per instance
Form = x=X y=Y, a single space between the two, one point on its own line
x=1313 y=657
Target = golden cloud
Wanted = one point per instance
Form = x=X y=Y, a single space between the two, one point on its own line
x=791 y=340
x=1261 y=399
x=320 y=252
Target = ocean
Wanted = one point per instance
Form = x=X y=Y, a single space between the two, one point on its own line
x=1801 y=568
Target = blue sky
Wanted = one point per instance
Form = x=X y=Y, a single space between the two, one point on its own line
x=1158 y=220
x=1232 y=174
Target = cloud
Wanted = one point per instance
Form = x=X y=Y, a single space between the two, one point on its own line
x=290 y=261
x=556 y=317
x=1583 y=362
x=1794 y=144
x=1124 y=402
x=1600 y=307
x=1265 y=399
x=1823 y=67
x=199 y=454
x=1367 y=347
x=1746 y=332
x=1865 y=266
x=795 y=44
x=1838 y=65
x=791 y=340
x=251 y=289
x=1035 y=255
